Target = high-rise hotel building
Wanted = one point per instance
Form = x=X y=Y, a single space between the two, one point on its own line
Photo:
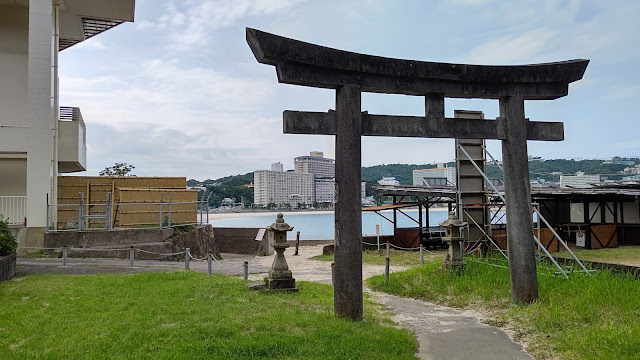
x=311 y=181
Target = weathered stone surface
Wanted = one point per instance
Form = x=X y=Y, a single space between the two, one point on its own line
x=324 y=123
x=199 y=241
x=328 y=250
x=347 y=282
x=522 y=261
x=7 y=267
x=237 y=240
x=302 y=63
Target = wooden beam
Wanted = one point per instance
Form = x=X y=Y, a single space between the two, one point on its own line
x=324 y=123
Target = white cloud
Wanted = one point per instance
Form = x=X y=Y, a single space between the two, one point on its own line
x=194 y=25
x=512 y=48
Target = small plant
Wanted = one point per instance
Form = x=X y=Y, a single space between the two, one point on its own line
x=8 y=243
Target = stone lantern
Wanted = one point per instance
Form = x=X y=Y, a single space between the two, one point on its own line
x=453 y=236
x=280 y=277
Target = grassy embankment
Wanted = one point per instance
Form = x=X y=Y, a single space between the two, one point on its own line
x=585 y=317
x=184 y=315
x=626 y=255
x=397 y=257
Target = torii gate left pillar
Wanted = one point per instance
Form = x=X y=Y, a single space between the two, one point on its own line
x=305 y=64
x=347 y=278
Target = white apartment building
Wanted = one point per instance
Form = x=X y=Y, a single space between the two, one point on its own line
x=38 y=138
x=324 y=170
x=388 y=181
x=579 y=180
x=441 y=176
x=325 y=191
x=283 y=187
x=315 y=164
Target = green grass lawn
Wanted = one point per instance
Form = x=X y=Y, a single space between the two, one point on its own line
x=628 y=255
x=585 y=317
x=184 y=315
x=397 y=257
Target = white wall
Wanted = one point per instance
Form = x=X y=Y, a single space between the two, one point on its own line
x=40 y=113
x=13 y=68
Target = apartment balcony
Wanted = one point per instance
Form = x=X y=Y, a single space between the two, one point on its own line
x=72 y=141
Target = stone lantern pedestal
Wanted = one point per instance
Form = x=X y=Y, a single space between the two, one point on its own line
x=453 y=231
x=280 y=277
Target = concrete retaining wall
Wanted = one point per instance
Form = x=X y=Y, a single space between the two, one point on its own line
x=106 y=238
x=199 y=241
x=237 y=240
x=7 y=267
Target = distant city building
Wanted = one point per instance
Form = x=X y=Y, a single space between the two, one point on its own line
x=440 y=176
x=579 y=180
x=363 y=190
x=388 y=181
x=277 y=166
x=197 y=188
x=325 y=191
x=315 y=164
x=324 y=170
x=535 y=158
x=283 y=188
x=312 y=180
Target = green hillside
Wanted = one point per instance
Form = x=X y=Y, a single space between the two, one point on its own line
x=236 y=185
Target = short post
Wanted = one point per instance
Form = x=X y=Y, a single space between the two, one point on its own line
x=169 y=210
x=209 y=256
x=297 y=242
x=107 y=212
x=81 y=211
x=388 y=249
x=333 y=270
x=421 y=255
x=131 y=255
x=378 y=235
x=245 y=271
x=187 y=258
x=64 y=255
x=386 y=270
x=160 y=211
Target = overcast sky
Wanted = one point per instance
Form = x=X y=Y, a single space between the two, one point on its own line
x=179 y=93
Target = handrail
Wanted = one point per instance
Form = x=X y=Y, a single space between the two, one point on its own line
x=13 y=209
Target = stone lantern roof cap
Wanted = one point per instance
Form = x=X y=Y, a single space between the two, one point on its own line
x=453 y=221
x=280 y=225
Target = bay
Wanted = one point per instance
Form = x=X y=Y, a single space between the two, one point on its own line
x=321 y=226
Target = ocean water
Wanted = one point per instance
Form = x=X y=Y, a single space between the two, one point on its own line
x=321 y=226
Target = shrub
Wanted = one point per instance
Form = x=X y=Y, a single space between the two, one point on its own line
x=8 y=243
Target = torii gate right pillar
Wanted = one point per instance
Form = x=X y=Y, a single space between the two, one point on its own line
x=522 y=264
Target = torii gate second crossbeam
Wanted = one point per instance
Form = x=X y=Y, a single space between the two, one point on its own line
x=350 y=74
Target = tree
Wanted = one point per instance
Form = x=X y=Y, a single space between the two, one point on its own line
x=119 y=169
x=8 y=242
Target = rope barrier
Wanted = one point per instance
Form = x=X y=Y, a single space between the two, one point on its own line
x=155 y=253
x=398 y=247
x=38 y=248
x=195 y=258
x=101 y=249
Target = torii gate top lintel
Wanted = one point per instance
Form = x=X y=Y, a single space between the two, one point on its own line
x=306 y=64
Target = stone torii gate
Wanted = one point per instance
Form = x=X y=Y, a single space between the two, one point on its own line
x=350 y=74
